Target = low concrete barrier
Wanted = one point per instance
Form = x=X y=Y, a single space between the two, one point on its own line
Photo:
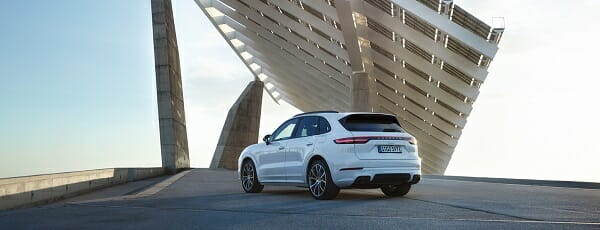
x=40 y=189
x=548 y=183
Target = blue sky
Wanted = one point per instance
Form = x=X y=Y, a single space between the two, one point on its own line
x=78 y=90
x=77 y=86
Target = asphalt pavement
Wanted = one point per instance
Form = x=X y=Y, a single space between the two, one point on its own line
x=214 y=199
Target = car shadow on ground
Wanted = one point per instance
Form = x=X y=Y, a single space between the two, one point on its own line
x=345 y=194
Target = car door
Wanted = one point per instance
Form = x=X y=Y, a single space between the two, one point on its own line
x=272 y=158
x=299 y=147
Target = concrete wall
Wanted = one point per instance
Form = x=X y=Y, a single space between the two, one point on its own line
x=40 y=189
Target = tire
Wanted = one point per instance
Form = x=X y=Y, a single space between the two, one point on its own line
x=395 y=190
x=319 y=181
x=249 y=179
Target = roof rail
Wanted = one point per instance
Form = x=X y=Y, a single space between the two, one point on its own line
x=326 y=111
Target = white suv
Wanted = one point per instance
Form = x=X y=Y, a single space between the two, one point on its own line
x=327 y=150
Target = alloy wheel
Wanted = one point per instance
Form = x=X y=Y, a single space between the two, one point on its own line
x=317 y=180
x=248 y=176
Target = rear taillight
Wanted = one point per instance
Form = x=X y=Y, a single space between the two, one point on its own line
x=352 y=140
x=363 y=140
x=412 y=141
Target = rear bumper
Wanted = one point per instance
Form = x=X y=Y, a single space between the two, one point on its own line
x=385 y=179
x=374 y=173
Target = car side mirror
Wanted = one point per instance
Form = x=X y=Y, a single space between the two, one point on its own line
x=267 y=139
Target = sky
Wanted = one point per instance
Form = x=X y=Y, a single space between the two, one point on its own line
x=78 y=92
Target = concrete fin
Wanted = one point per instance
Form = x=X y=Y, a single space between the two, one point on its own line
x=240 y=128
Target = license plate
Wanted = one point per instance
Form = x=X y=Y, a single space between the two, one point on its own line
x=389 y=148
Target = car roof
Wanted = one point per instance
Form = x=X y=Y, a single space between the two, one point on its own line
x=336 y=115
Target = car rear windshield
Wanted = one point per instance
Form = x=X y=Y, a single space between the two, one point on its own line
x=371 y=123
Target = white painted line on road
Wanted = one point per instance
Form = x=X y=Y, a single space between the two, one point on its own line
x=160 y=186
x=147 y=192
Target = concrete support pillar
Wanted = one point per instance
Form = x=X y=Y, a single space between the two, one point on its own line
x=363 y=86
x=240 y=128
x=171 y=114
x=362 y=93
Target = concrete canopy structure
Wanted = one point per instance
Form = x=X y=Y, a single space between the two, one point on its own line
x=422 y=60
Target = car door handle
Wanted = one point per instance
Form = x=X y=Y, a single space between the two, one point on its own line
x=309 y=144
x=281 y=147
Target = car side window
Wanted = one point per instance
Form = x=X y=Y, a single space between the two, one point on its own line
x=308 y=126
x=285 y=131
x=324 y=126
